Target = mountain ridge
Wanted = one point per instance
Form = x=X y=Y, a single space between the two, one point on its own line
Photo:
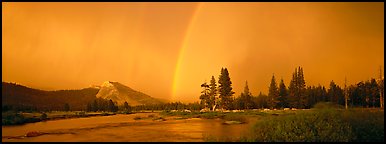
x=20 y=96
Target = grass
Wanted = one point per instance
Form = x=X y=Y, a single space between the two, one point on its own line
x=367 y=125
x=320 y=126
x=324 y=123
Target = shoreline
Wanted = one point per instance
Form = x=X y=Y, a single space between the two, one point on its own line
x=54 y=116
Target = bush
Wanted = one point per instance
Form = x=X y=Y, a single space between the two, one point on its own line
x=43 y=116
x=12 y=118
x=212 y=115
x=81 y=114
x=320 y=126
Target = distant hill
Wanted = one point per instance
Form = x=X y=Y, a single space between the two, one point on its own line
x=120 y=94
x=19 y=95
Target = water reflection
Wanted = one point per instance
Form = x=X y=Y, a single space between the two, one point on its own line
x=125 y=128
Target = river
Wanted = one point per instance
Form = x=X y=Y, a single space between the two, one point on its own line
x=123 y=128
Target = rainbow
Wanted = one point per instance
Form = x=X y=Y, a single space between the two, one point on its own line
x=181 y=54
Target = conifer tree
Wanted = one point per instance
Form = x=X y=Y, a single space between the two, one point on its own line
x=225 y=89
x=283 y=94
x=212 y=93
x=273 y=93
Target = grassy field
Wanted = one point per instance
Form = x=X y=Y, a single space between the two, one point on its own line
x=317 y=125
x=323 y=123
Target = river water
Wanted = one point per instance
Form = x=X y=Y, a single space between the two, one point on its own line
x=123 y=128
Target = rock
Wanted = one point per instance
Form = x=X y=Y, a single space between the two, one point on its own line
x=286 y=109
x=187 y=111
x=293 y=109
x=266 y=110
x=33 y=134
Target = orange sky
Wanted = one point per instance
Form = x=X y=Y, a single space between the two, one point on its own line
x=168 y=49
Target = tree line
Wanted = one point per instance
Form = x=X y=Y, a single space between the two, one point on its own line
x=297 y=95
x=100 y=104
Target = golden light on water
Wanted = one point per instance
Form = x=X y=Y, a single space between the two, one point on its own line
x=168 y=49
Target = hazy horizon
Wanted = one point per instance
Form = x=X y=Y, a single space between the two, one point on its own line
x=167 y=50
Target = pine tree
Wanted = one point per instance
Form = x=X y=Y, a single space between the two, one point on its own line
x=212 y=93
x=283 y=102
x=292 y=89
x=225 y=89
x=204 y=95
x=297 y=89
x=273 y=93
x=66 y=107
x=111 y=106
x=302 y=99
x=331 y=93
x=127 y=107
x=245 y=99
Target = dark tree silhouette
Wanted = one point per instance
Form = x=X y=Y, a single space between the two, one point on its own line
x=66 y=107
x=273 y=94
x=225 y=89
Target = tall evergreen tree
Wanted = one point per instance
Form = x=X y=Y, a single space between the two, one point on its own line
x=374 y=93
x=245 y=99
x=292 y=89
x=261 y=101
x=297 y=89
x=111 y=106
x=212 y=93
x=302 y=99
x=283 y=94
x=204 y=95
x=66 y=107
x=127 y=107
x=225 y=89
x=273 y=93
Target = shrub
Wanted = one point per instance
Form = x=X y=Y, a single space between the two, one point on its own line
x=43 y=116
x=212 y=115
x=81 y=114
x=12 y=118
x=327 y=105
